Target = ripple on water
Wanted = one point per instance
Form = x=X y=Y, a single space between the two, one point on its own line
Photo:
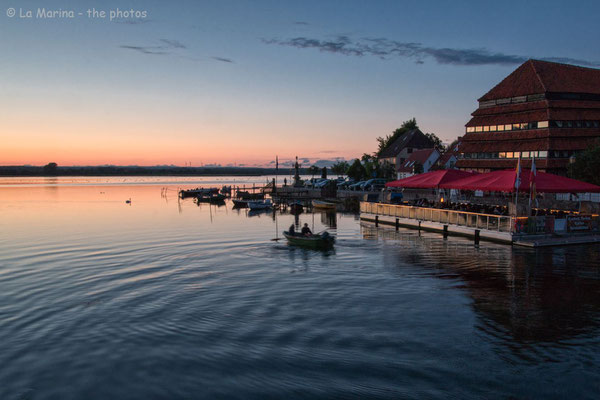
x=170 y=305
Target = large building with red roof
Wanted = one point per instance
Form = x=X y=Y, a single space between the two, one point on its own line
x=543 y=109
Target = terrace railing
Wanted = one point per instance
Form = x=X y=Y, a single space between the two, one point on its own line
x=490 y=222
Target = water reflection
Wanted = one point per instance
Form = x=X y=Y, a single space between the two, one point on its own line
x=526 y=296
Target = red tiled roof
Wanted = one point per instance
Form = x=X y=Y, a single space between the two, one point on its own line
x=506 y=145
x=500 y=163
x=539 y=115
x=506 y=135
x=420 y=156
x=562 y=114
x=535 y=76
x=511 y=108
x=573 y=104
x=551 y=163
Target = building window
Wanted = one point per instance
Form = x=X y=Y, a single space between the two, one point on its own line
x=478 y=128
x=493 y=128
x=486 y=128
x=542 y=124
x=508 y=127
x=509 y=154
x=470 y=129
x=543 y=154
x=500 y=128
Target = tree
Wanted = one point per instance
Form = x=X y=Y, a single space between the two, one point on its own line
x=437 y=142
x=50 y=168
x=586 y=166
x=314 y=170
x=356 y=171
x=385 y=142
x=388 y=170
x=340 y=168
x=452 y=145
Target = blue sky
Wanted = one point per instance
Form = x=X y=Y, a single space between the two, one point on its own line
x=236 y=82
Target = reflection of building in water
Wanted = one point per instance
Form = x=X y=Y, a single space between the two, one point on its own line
x=544 y=295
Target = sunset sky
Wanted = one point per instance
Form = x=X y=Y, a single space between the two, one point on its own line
x=238 y=82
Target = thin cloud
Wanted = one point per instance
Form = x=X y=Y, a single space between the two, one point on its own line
x=173 y=44
x=301 y=23
x=164 y=49
x=222 y=59
x=144 y=49
x=385 y=49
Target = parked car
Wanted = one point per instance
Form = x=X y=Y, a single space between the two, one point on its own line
x=313 y=181
x=345 y=183
x=322 y=183
x=356 y=186
x=373 y=184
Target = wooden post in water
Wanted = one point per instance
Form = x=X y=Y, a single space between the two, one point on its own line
x=445 y=231
x=377 y=220
x=397 y=223
x=477 y=231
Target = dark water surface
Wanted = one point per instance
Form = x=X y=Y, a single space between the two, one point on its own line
x=170 y=300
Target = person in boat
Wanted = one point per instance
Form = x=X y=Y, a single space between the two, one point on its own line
x=306 y=230
x=292 y=230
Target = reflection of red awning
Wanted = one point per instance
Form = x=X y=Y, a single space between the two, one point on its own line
x=430 y=180
x=504 y=181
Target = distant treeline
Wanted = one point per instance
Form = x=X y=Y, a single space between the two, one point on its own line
x=142 y=171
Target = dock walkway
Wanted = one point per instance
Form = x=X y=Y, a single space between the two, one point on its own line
x=496 y=228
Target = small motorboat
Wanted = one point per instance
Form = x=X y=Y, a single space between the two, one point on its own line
x=249 y=196
x=211 y=198
x=317 y=241
x=260 y=204
x=226 y=190
x=240 y=203
x=324 y=205
x=197 y=192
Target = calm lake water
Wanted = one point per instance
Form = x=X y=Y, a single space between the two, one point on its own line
x=165 y=299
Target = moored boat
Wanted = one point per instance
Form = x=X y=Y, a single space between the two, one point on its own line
x=197 y=192
x=240 y=203
x=260 y=204
x=249 y=196
x=211 y=198
x=317 y=241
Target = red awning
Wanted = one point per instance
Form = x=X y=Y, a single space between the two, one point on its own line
x=504 y=181
x=430 y=180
